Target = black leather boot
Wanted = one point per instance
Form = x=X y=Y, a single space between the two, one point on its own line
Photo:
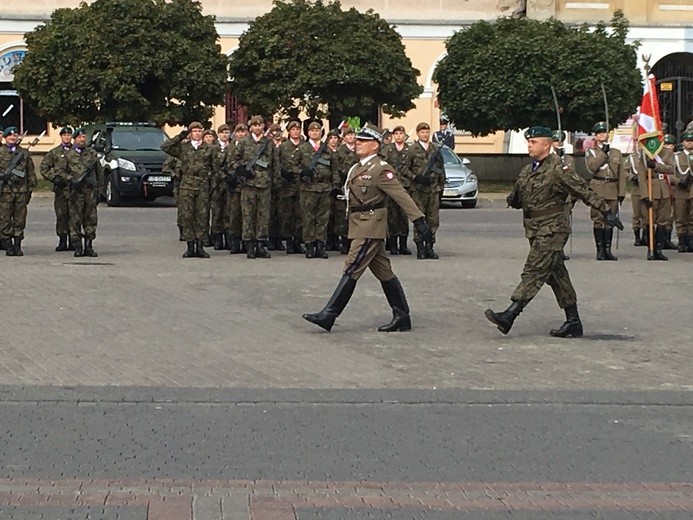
x=608 y=237
x=9 y=248
x=638 y=238
x=504 y=320
x=660 y=237
x=334 y=307
x=320 y=249
x=290 y=249
x=298 y=246
x=403 y=249
x=420 y=250
x=683 y=244
x=5 y=243
x=668 y=244
x=234 y=245
x=310 y=250
x=200 y=250
x=599 y=242
x=344 y=244
x=278 y=244
x=689 y=241
x=260 y=251
x=572 y=325
x=77 y=244
x=190 y=252
x=250 y=247
x=62 y=243
x=18 y=247
x=207 y=240
x=391 y=245
x=430 y=253
x=218 y=241
x=89 y=248
x=645 y=241
x=401 y=321
x=332 y=243
x=271 y=245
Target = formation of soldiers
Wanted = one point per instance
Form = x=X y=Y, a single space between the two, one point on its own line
x=255 y=190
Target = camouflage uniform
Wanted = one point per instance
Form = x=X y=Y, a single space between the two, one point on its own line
x=171 y=167
x=234 y=219
x=338 y=217
x=397 y=221
x=14 y=197
x=276 y=225
x=219 y=198
x=291 y=163
x=84 y=195
x=54 y=169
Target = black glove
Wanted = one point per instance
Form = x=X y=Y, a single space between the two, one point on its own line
x=621 y=199
x=423 y=229
x=612 y=219
x=651 y=163
x=335 y=192
x=635 y=180
x=287 y=175
x=513 y=200
x=647 y=202
x=606 y=147
x=59 y=182
x=685 y=182
x=307 y=175
x=242 y=171
x=422 y=179
x=183 y=134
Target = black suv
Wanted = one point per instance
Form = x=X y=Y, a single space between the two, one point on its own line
x=132 y=159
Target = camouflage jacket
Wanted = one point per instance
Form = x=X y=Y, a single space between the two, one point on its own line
x=265 y=169
x=78 y=161
x=291 y=162
x=396 y=158
x=326 y=174
x=25 y=166
x=54 y=164
x=196 y=165
x=415 y=162
x=347 y=158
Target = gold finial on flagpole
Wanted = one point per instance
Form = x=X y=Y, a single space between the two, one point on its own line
x=646 y=58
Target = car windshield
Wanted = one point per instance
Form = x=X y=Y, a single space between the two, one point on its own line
x=450 y=157
x=138 y=140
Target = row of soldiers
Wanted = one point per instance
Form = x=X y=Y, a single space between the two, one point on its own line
x=253 y=190
x=77 y=178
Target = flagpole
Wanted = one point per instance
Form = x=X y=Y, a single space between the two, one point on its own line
x=650 y=210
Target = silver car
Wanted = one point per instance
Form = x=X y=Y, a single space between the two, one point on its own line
x=461 y=185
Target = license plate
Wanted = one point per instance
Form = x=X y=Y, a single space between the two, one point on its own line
x=159 y=178
x=449 y=193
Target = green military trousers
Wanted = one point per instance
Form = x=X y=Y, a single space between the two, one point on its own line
x=83 y=214
x=193 y=205
x=315 y=215
x=12 y=214
x=255 y=210
x=429 y=204
x=61 y=205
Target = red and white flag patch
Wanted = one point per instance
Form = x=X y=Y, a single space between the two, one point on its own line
x=390 y=175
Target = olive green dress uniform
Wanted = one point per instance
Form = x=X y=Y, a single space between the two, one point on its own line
x=661 y=187
x=84 y=197
x=683 y=191
x=338 y=219
x=639 y=221
x=397 y=222
x=14 y=197
x=54 y=169
x=291 y=163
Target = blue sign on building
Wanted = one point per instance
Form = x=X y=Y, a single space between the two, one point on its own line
x=8 y=61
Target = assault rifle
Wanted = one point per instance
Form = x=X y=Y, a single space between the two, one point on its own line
x=246 y=170
x=429 y=169
x=11 y=169
x=309 y=171
x=86 y=176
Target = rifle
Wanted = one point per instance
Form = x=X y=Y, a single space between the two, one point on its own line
x=85 y=177
x=309 y=171
x=17 y=156
x=246 y=170
x=428 y=170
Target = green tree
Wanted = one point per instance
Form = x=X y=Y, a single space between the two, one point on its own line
x=125 y=60
x=318 y=58
x=498 y=75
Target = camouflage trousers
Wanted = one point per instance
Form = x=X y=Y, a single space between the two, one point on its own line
x=83 y=214
x=289 y=214
x=429 y=204
x=219 y=208
x=235 y=219
x=684 y=215
x=338 y=218
x=176 y=195
x=397 y=221
x=193 y=205
x=639 y=220
x=13 y=214
x=315 y=214
x=61 y=205
x=545 y=264
x=275 y=224
x=255 y=210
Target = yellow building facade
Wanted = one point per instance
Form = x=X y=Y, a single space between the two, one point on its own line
x=661 y=26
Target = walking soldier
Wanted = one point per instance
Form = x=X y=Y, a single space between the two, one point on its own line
x=54 y=169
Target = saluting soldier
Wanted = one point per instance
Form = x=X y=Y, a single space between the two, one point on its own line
x=369 y=183
x=423 y=166
x=197 y=162
x=235 y=225
x=346 y=153
x=319 y=181
x=290 y=166
x=54 y=169
x=683 y=191
x=541 y=191
x=397 y=221
x=18 y=180
x=219 y=196
x=607 y=167
x=87 y=184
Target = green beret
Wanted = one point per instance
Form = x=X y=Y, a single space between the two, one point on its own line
x=559 y=137
x=314 y=126
x=79 y=131
x=422 y=126
x=669 y=139
x=256 y=120
x=687 y=135
x=11 y=130
x=293 y=124
x=195 y=124
x=599 y=127
x=538 y=131
x=65 y=130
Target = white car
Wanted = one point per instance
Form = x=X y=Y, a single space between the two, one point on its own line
x=461 y=185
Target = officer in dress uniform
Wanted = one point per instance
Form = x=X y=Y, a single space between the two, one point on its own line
x=683 y=180
x=369 y=183
x=444 y=136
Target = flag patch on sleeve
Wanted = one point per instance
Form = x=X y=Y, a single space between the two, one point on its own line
x=389 y=175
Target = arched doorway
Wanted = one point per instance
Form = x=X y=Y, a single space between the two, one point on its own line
x=674 y=75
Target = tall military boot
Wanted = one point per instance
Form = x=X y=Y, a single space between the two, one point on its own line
x=89 y=248
x=420 y=250
x=190 y=252
x=504 y=320
x=234 y=245
x=638 y=239
x=310 y=249
x=668 y=244
x=344 y=244
x=571 y=327
x=77 y=243
x=250 y=249
x=218 y=241
x=608 y=237
x=430 y=253
x=18 y=247
x=260 y=251
x=336 y=304
x=403 y=249
x=391 y=245
x=599 y=242
x=200 y=249
x=278 y=244
x=298 y=246
x=290 y=249
x=62 y=243
x=401 y=321
x=4 y=243
x=320 y=249
x=645 y=237
x=683 y=243
x=660 y=238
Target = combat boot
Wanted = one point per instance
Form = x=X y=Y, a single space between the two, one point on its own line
x=250 y=249
x=391 y=245
x=190 y=252
x=244 y=246
x=401 y=321
x=668 y=244
x=70 y=245
x=683 y=244
x=5 y=243
x=260 y=251
x=9 y=248
x=645 y=241
x=572 y=325
x=234 y=245
x=689 y=241
x=599 y=242
x=420 y=250
x=271 y=245
x=18 y=247
x=310 y=250
x=89 y=249
x=278 y=244
x=200 y=250
x=430 y=253
x=660 y=237
x=403 y=249
x=608 y=237
x=320 y=249
x=334 y=307
x=638 y=238
x=218 y=241
x=504 y=320
x=290 y=249
x=344 y=244
x=298 y=246
x=62 y=243
x=207 y=240
x=77 y=243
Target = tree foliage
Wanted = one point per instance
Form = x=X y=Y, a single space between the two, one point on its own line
x=126 y=60
x=304 y=56
x=498 y=75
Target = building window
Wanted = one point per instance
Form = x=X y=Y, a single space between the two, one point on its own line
x=15 y=112
x=235 y=112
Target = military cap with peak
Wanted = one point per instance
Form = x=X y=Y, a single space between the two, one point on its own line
x=65 y=130
x=423 y=126
x=256 y=120
x=293 y=124
x=687 y=135
x=599 y=127
x=11 y=130
x=79 y=131
x=195 y=124
x=669 y=139
x=559 y=137
x=538 y=131
x=370 y=132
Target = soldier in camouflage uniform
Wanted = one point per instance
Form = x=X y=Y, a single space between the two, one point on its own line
x=54 y=169
x=540 y=192
x=171 y=166
x=346 y=155
x=276 y=235
x=256 y=193
x=684 y=193
x=197 y=162
x=318 y=186
x=235 y=223
x=87 y=184
x=427 y=177
x=607 y=167
x=291 y=162
x=219 y=195
x=397 y=221
x=17 y=184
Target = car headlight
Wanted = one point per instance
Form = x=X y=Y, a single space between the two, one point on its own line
x=472 y=178
x=124 y=178
x=126 y=165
